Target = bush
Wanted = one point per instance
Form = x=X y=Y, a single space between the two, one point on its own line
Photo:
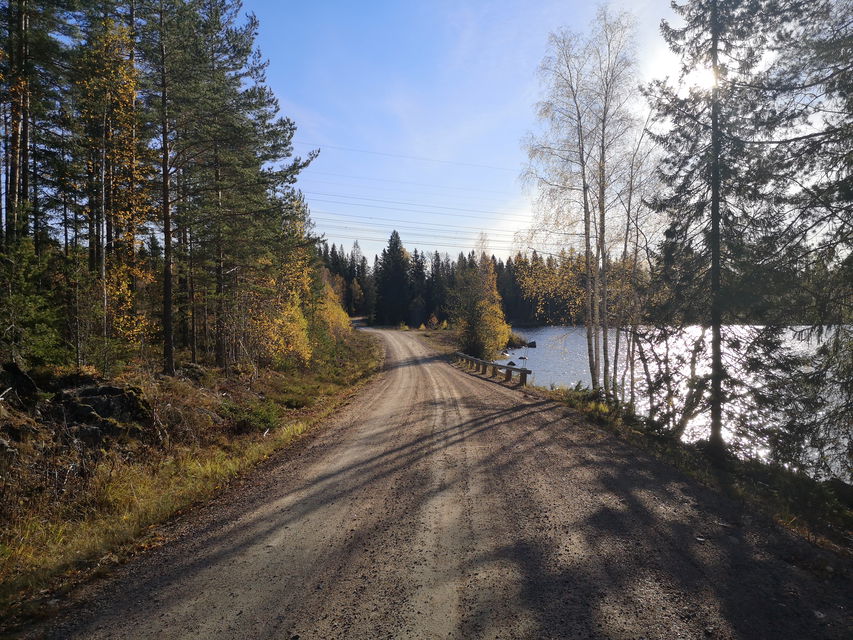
x=29 y=312
x=515 y=341
x=256 y=416
x=476 y=310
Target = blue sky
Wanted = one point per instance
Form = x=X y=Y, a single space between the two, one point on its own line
x=419 y=109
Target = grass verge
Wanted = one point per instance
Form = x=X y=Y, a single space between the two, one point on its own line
x=445 y=342
x=60 y=531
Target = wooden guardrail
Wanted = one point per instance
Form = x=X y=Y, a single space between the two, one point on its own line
x=482 y=366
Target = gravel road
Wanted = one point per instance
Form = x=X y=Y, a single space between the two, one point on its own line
x=440 y=505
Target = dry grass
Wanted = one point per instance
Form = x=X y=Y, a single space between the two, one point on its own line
x=444 y=341
x=71 y=509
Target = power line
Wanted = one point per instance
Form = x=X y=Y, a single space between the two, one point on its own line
x=430 y=213
x=381 y=235
x=310 y=182
x=421 y=234
x=422 y=245
x=408 y=222
x=399 y=155
x=415 y=243
x=409 y=225
x=309 y=171
x=409 y=204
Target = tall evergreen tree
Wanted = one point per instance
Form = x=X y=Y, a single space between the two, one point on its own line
x=393 y=292
x=707 y=170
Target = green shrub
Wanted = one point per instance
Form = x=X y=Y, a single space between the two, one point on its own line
x=255 y=416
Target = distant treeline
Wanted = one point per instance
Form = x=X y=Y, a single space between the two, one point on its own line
x=535 y=289
x=415 y=287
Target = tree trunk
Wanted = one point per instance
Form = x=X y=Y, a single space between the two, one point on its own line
x=15 y=82
x=221 y=355
x=590 y=320
x=24 y=168
x=192 y=302
x=5 y=176
x=132 y=203
x=602 y=250
x=596 y=312
x=716 y=439
x=103 y=242
x=166 y=206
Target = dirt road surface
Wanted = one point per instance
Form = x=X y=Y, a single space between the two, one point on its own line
x=440 y=505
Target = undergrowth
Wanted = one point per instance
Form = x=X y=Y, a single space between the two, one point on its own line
x=66 y=508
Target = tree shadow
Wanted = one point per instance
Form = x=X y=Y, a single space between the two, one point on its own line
x=647 y=551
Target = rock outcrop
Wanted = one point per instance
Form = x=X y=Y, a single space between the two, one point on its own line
x=105 y=410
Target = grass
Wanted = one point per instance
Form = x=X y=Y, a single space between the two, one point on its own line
x=210 y=434
x=444 y=341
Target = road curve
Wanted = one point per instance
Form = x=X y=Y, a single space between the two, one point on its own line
x=440 y=505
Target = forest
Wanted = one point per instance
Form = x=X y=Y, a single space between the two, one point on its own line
x=150 y=213
x=148 y=195
x=165 y=320
x=149 y=209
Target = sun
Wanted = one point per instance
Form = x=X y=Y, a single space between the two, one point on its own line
x=701 y=78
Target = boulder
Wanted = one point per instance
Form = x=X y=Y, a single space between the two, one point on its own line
x=53 y=380
x=192 y=371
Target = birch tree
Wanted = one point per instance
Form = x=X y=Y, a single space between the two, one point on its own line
x=579 y=162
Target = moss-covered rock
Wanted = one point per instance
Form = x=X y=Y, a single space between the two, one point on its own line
x=100 y=411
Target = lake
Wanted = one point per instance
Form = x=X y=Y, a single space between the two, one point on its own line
x=560 y=356
x=560 y=359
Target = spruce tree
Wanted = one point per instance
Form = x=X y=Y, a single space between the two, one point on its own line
x=392 y=283
x=706 y=169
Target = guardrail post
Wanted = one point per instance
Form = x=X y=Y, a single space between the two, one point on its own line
x=482 y=367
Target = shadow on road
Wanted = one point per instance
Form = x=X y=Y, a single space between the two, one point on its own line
x=638 y=535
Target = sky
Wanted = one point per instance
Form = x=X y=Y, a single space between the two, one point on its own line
x=419 y=109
